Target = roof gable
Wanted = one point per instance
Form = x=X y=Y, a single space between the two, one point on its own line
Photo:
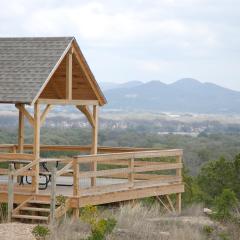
x=27 y=64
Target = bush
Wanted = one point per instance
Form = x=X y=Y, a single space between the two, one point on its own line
x=225 y=204
x=40 y=232
x=3 y=212
x=100 y=227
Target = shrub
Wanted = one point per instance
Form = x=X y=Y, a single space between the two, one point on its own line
x=40 y=232
x=3 y=212
x=100 y=228
x=224 y=205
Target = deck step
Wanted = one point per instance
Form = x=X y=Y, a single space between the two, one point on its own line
x=39 y=202
x=18 y=216
x=35 y=209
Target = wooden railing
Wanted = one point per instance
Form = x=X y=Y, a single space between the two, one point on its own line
x=138 y=170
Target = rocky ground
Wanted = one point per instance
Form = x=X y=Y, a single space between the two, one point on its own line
x=16 y=231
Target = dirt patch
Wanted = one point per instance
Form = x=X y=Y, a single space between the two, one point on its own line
x=16 y=231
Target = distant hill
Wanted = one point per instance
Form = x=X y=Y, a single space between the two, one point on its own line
x=184 y=95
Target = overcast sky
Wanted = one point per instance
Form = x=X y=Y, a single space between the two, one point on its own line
x=144 y=40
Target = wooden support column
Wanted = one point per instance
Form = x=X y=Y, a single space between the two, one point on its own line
x=94 y=142
x=76 y=185
x=36 y=145
x=179 y=195
x=20 y=136
x=53 y=195
x=10 y=191
x=131 y=174
x=69 y=76
x=21 y=131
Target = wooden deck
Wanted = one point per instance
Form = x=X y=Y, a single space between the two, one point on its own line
x=125 y=174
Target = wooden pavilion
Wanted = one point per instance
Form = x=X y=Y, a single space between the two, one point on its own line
x=43 y=72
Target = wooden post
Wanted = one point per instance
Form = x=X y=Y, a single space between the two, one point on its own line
x=53 y=195
x=10 y=191
x=94 y=142
x=36 y=146
x=69 y=76
x=76 y=185
x=21 y=131
x=20 y=137
x=179 y=195
x=131 y=174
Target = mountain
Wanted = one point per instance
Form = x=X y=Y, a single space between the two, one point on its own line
x=108 y=85
x=184 y=95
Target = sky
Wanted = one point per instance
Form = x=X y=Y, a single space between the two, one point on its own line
x=126 y=40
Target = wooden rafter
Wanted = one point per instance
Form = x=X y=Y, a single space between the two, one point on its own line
x=45 y=112
x=26 y=113
x=86 y=111
x=69 y=75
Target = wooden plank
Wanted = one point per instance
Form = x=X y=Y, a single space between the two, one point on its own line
x=25 y=168
x=128 y=155
x=35 y=209
x=69 y=75
x=102 y=173
x=20 y=206
x=41 y=218
x=64 y=169
x=170 y=203
x=61 y=210
x=45 y=112
x=129 y=194
x=157 y=167
x=86 y=111
x=16 y=156
x=66 y=102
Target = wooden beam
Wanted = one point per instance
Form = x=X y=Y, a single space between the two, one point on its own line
x=94 y=143
x=26 y=113
x=66 y=102
x=36 y=145
x=16 y=156
x=64 y=169
x=69 y=75
x=86 y=111
x=45 y=112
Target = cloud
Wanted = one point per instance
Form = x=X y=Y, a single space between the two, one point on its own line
x=143 y=39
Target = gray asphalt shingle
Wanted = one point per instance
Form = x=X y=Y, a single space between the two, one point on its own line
x=25 y=64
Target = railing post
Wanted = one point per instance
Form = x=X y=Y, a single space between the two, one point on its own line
x=53 y=194
x=131 y=174
x=10 y=191
x=76 y=184
x=179 y=195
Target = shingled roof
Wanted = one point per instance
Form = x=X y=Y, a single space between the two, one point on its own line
x=26 y=64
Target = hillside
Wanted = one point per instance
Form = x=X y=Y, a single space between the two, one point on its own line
x=185 y=95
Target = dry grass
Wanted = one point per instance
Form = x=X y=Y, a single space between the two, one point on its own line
x=3 y=213
x=134 y=221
